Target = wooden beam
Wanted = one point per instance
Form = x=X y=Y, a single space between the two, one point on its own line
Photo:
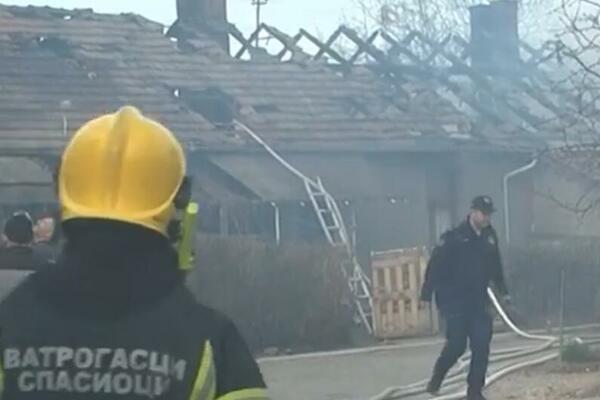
x=329 y=51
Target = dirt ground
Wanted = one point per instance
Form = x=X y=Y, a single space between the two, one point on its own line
x=550 y=382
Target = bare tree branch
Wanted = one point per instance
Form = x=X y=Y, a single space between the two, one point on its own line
x=570 y=64
x=438 y=18
x=591 y=2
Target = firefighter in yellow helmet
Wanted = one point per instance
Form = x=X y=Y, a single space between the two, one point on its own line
x=113 y=319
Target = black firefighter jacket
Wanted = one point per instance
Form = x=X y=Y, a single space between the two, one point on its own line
x=109 y=322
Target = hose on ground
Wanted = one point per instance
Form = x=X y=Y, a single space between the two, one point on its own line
x=511 y=369
x=459 y=373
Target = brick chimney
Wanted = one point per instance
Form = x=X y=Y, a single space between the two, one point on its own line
x=208 y=16
x=495 y=37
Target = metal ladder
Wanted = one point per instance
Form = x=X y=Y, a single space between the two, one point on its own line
x=332 y=224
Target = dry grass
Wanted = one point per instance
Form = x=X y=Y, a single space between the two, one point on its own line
x=551 y=382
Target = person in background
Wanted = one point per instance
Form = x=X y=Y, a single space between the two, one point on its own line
x=459 y=273
x=17 y=257
x=18 y=252
x=46 y=239
x=43 y=229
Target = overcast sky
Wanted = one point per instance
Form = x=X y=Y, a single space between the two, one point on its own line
x=288 y=15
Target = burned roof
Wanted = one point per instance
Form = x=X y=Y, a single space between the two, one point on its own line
x=62 y=67
x=520 y=102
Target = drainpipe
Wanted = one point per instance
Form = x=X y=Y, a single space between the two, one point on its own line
x=277 y=223
x=507 y=179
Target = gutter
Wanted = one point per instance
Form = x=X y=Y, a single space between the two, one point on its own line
x=505 y=188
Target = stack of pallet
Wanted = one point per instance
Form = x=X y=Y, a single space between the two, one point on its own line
x=397 y=279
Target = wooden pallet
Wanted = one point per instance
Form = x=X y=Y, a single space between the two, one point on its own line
x=397 y=279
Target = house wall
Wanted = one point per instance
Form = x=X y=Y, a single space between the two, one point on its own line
x=392 y=200
x=383 y=197
x=441 y=194
x=483 y=174
x=25 y=184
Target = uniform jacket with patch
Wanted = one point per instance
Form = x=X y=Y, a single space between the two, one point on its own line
x=462 y=267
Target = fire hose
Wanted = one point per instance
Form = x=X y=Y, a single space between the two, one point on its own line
x=394 y=393
x=459 y=374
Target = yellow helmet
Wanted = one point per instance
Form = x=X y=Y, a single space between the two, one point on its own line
x=122 y=167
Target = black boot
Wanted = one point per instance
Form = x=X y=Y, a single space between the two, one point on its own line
x=434 y=385
x=475 y=394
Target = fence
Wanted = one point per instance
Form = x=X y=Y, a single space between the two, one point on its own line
x=534 y=278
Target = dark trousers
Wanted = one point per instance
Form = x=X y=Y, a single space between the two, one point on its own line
x=477 y=329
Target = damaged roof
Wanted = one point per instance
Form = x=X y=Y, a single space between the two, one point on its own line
x=522 y=103
x=61 y=68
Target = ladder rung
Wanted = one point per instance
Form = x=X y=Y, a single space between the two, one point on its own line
x=367 y=314
x=332 y=224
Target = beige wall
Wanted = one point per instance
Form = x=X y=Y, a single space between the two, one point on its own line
x=481 y=173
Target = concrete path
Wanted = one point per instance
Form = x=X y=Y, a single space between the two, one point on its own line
x=358 y=375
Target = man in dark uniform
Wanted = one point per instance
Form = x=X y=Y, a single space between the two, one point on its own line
x=459 y=273
x=113 y=318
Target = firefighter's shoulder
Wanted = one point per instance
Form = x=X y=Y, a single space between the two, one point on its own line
x=238 y=374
